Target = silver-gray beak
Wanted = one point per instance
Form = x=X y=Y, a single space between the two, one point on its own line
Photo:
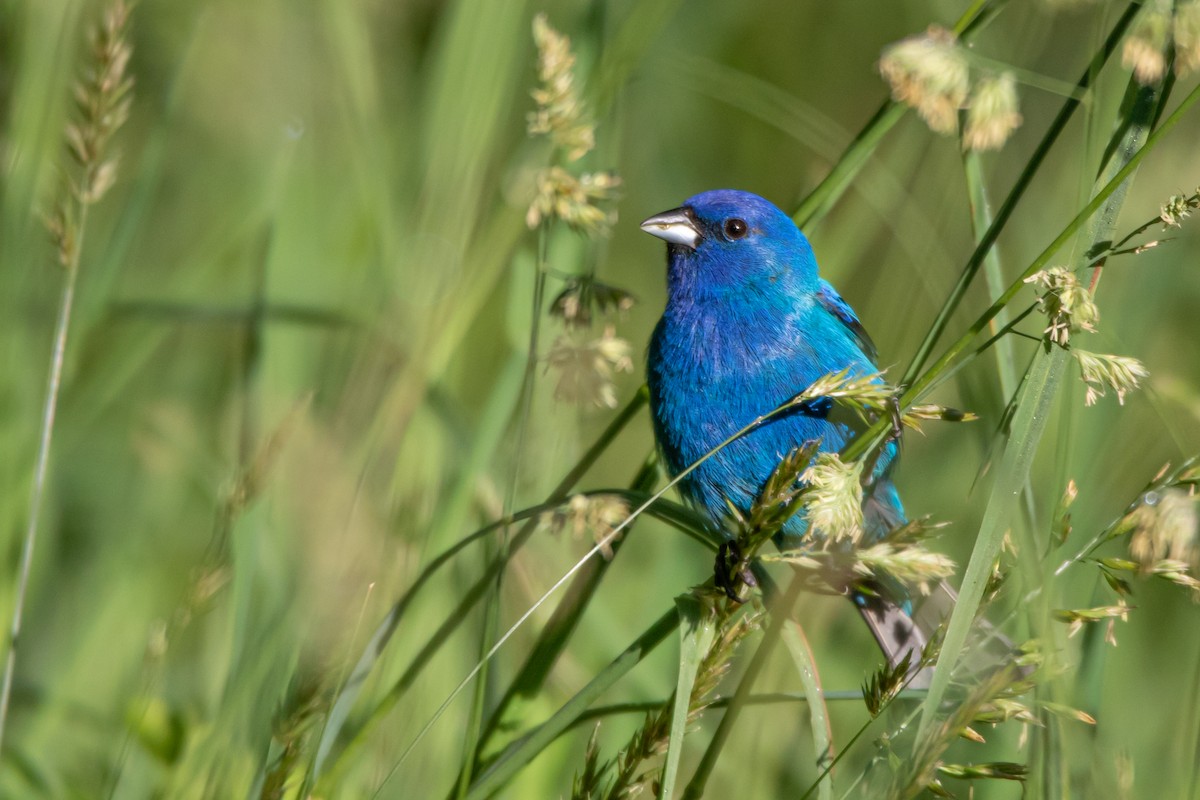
x=677 y=226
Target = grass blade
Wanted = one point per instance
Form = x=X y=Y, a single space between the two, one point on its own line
x=818 y=713
x=1033 y=412
x=695 y=637
x=524 y=750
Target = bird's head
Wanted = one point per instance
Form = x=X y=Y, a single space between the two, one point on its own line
x=726 y=241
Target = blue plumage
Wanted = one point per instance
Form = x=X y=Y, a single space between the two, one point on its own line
x=748 y=325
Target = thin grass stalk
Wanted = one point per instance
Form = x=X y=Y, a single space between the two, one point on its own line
x=103 y=100
x=781 y=612
x=821 y=199
x=491 y=609
x=993 y=273
x=561 y=625
x=1008 y=330
x=760 y=699
x=988 y=239
x=623 y=51
x=41 y=465
x=858 y=734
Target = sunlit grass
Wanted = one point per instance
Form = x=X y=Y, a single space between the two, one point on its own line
x=326 y=327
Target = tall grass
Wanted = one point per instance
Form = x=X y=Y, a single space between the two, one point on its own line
x=351 y=492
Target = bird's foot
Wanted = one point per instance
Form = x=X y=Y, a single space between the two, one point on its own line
x=897 y=418
x=732 y=570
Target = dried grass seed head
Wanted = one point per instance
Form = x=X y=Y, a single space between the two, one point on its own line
x=596 y=515
x=1146 y=45
x=1166 y=525
x=584 y=296
x=1178 y=208
x=561 y=113
x=559 y=195
x=834 y=498
x=1187 y=36
x=587 y=366
x=1101 y=372
x=914 y=564
x=929 y=73
x=1067 y=304
x=993 y=114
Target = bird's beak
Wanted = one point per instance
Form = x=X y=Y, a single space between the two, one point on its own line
x=677 y=226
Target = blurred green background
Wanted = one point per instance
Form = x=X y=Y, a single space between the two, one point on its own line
x=297 y=350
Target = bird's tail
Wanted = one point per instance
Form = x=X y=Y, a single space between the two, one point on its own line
x=901 y=626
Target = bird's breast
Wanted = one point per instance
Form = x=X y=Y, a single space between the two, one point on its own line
x=710 y=378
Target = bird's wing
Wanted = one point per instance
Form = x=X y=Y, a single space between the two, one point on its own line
x=834 y=304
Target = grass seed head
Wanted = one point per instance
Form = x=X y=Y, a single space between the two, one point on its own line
x=929 y=73
x=834 y=496
x=561 y=113
x=1146 y=45
x=587 y=366
x=993 y=114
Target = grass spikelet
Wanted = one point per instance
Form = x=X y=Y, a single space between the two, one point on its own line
x=1100 y=372
x=928 y=72
x=574 y=200
x=1067 y=304
x=859 y=392
x=833 y=498
x=586 y=367
x=1145 y=49
x=561 y=113
x=993 y=114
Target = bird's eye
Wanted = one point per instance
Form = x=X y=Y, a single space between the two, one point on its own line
x=736 y=228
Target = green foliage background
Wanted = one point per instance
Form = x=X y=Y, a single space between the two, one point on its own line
x=296 y=359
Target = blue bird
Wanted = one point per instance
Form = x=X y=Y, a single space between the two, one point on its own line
x=748 y=325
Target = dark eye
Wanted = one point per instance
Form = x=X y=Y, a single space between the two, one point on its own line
x=736 y=228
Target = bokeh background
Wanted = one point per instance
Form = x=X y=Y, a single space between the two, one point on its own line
x=296 y=358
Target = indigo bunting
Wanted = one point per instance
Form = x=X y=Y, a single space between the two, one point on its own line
x=748 y=325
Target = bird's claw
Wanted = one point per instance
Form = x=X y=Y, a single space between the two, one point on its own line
x=897 y=418
x=730 y=572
